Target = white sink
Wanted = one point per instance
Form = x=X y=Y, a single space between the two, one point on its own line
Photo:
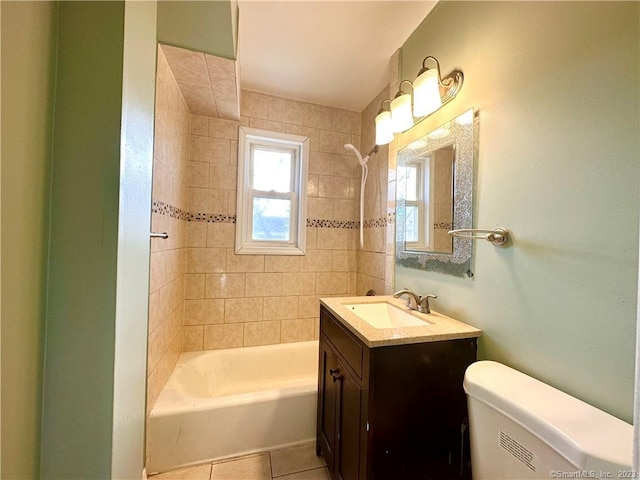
x=385 y=315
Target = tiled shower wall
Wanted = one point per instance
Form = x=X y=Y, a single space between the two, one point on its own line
x=245 y=300
x=168 y=257
x=371 y=269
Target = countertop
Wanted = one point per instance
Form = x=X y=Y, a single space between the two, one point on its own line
x=440 y=328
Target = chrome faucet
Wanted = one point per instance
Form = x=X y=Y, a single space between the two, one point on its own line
x=414 y=301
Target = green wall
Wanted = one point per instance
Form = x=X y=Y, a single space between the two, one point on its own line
x=556 y=87
x=79 y=360
x=203 y=26
x=28 y=53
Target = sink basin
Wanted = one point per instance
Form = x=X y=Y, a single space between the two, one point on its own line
x=384 y=315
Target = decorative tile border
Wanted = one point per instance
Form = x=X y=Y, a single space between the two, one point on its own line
x=443 y=226
x=211 y=218
x=316 y=222
x=162 y=208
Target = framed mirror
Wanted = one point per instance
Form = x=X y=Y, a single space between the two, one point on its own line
x=434 y=194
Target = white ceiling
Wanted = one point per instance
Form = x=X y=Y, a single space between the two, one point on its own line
x=333 y=53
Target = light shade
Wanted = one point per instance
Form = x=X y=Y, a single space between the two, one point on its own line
x=401 y=116
x=426 y=92
x=384 y=133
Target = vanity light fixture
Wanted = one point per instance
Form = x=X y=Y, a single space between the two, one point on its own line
x=401 y=116
x=430 y=92
x=384 y=133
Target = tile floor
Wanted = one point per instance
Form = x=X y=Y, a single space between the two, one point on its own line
x=292 y=463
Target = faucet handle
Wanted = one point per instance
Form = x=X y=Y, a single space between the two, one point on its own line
x=424 y=303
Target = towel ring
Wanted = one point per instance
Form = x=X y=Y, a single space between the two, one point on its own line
x=498 y=236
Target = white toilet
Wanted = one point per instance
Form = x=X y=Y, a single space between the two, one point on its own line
x=521 y=428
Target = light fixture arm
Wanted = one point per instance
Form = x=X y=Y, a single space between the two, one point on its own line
x=452 y=83
x=400 y=92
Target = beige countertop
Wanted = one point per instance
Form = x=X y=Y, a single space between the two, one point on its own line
x=440 y=327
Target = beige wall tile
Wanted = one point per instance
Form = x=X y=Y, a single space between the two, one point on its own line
x=310 y=132
x=282 y=263
x=277 y=308
x=199 y=125
x=333 y=142
x=286 y=111
x=334 y=187
x=316 y=261
x=254 y=104
x=299 y=283
x=196 y=234
x=223 y=177
x=348 y=122
x=225 y=285
x=313 y=182
x=227 y=335
x=331 y=283
x=203 y=311
x=154 y=310
x=319 y=208
x=186 y=65
x=345 y=210
x=220 y=128
x=264 y=284
x=312 y=238
x=194 y=285
x=206 y=200
x=242 y=310
x=221 y=235
x=244 y=263
x=340 y=261
x=319 y=116
x=261 y=333
x=207 y=149
x=309 y=306
x=268 y=125
x=297 y=330
x=199 y=98
x=333 y=238
x=206 y=260
x=198 y=174
x=233 y=152
x=193 y=338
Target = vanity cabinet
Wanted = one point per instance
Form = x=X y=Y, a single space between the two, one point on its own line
x=392 y=412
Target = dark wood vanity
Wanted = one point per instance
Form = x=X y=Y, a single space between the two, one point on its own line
x=392 y=412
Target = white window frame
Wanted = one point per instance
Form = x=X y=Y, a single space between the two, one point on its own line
x=248 y=139
x=424 y=203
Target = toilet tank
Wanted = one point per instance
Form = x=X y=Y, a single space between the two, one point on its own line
x=521 y=428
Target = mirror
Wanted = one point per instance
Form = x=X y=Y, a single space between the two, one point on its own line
x=434 y=195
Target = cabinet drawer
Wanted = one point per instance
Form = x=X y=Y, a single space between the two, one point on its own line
x=346 y=344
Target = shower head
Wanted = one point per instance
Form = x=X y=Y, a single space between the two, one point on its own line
x=348 y=146
x=362 y=161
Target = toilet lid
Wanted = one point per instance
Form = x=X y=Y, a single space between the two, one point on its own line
x=584 y=435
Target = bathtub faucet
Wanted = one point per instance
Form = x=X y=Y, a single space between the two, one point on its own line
x=414 y=301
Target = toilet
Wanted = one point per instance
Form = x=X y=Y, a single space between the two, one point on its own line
x=521 y=428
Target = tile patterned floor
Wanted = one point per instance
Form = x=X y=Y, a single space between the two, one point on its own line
x=293 y=463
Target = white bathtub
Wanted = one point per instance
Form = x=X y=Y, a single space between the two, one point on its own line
x=224 y=403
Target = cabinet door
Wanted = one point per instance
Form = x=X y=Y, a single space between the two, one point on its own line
x=347 y=462
x=327 y=404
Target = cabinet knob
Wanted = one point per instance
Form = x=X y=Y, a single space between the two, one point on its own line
x=337 y=377
x=333 y=371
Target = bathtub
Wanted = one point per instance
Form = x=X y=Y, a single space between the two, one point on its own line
x=223 y=403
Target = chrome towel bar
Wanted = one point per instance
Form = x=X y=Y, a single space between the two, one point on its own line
x=498 y=236
x=159 y=235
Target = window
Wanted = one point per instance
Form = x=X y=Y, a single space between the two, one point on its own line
x=272 y=183
x=418 y=204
